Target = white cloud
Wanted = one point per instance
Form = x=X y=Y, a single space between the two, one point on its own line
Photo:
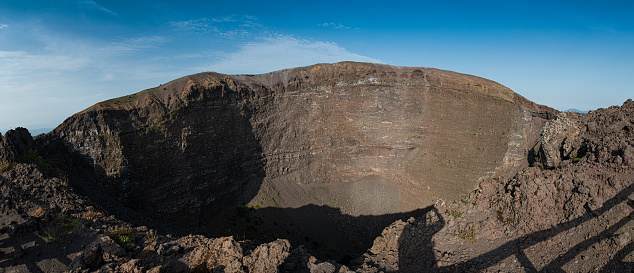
x=3 y=26
x=281 y=52
x=63 y=76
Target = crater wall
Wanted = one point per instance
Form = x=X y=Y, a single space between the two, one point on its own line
x=310 y=147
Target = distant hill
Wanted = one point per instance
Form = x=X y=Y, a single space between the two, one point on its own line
x=576 y=110
x=35 y=132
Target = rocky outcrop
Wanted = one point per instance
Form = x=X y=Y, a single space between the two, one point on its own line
x=588 y=155
x=15 y=144
x=558 y=142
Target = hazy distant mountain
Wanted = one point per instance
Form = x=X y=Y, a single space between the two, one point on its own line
x=35 y=132
x=576 y=110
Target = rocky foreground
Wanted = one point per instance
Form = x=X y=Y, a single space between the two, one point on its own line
x=567 y=207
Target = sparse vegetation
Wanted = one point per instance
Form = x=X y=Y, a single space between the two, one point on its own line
x=91 y=214
x=63 y=181
x=465 y=201
x=456 y=214
x=32 y=157
x=60 y=224
x=123 y=99
x=38 y=212
x=124 y=236
x=151 y=236
x=575 y=160
x=5 y=166
x=502 y=219
x=467 y=233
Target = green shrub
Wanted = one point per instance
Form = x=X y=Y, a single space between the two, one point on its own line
x=5 y=166
x=32 y=157
x=574 y=160
x=456 y=214
x=124 y=236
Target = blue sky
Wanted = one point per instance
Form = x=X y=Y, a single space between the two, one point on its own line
x=58 y=57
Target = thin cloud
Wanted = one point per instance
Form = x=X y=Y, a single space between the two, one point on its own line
x=227 y=26
x=201 y=24
x=4 y=26
x=281 y=52
x=139 y=43
x=333 y=25
x=224 y=19
x=93 y=5
x=12 y=62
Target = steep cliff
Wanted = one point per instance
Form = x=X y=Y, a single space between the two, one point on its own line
x=346 y=147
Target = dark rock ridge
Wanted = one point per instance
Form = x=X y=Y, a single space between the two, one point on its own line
x=308 y=149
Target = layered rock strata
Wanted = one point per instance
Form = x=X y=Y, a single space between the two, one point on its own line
x=346 y=147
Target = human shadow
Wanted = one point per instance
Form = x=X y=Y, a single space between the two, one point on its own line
x=416 y=245
x=23 y=252
x=518 y=246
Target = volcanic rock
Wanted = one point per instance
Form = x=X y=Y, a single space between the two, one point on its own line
x=321 y=157
x=345 y=148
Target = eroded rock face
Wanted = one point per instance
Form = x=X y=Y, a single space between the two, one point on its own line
x=363 y=139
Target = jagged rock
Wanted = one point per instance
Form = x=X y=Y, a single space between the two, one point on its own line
x=91 y=258
x=15 y=144
x=268 y=257
x=324 y=267
x=132 y=266
x=110 y=247
x=558 y=141
x=212 y=254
